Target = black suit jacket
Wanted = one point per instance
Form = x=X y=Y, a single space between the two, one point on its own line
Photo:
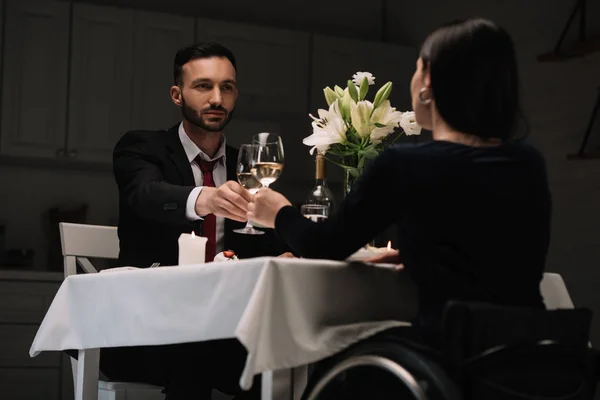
x=155 y=179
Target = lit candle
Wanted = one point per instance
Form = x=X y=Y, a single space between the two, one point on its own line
x=389 y=247
x=192 y=249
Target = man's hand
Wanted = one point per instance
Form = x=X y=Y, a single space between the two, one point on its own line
x=264 y=207
x=229 y=200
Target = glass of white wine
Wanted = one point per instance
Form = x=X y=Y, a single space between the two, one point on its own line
x=267 y=162
x=247 y=180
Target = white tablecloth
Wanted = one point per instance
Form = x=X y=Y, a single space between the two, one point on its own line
x=287 y=312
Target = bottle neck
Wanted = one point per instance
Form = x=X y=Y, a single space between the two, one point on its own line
x=320 y=171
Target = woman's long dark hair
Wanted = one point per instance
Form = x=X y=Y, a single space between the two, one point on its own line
x=474 y=77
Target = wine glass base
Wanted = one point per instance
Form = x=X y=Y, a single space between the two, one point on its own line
x=248 y=230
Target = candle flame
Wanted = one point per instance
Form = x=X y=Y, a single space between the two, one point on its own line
x=389 y=246
x=193 y=234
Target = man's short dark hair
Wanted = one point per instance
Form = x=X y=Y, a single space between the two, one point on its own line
x=199 y=50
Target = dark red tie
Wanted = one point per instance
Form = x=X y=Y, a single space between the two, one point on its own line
x=209 y=226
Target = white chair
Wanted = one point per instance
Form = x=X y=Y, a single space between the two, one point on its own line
x=78 y=243
x=554 y=291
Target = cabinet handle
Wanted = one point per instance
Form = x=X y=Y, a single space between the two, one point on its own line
x=73 y=153
x=60 y=153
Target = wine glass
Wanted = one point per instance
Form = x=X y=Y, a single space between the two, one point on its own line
x=247 y=180
x=315 y=212
x=268 y=160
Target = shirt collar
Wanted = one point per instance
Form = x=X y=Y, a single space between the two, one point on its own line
x=192 y=151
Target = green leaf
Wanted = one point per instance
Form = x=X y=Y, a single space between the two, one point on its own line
x=353 y=171
x=361 y=163
x=353 y=137
x=352 y=90
x=377 y=124
x=342 y=152
x=370 y=152
x=396 y=138
x=364 y=88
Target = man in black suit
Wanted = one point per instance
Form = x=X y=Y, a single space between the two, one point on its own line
x=177 y=181
x=159 y=173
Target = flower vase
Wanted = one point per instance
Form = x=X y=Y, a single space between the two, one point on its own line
x=349 y=180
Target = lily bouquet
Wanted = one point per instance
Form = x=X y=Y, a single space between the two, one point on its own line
x=354 y=130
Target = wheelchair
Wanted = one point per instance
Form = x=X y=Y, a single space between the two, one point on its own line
x=485 y=352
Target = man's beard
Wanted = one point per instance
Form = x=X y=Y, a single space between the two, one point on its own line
x=195 y=117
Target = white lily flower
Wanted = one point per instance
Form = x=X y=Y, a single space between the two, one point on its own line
x=358 y=77
x=328 y=129
x=360 y=114
x=409 y=123
x=387 y=116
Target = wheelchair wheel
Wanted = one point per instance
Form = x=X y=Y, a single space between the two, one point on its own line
x=380 y=368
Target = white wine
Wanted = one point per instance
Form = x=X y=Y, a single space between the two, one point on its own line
x=316 y=217
x=249 y=181
x=267 y=172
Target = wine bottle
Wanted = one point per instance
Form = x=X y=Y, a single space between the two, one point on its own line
x=320 y=193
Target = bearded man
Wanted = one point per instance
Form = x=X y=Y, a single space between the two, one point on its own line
x=178 y=181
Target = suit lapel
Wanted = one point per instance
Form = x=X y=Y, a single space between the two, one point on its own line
x=178 y=156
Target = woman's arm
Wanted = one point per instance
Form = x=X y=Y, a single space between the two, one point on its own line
x=371 y=207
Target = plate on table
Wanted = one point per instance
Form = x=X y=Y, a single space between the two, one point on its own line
x=367 y=252
x=364 y=253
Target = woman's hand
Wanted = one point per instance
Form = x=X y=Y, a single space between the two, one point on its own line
x=264 y=207
x=287 y=254
x=388 y=257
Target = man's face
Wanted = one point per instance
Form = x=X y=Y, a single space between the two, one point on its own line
x=208 y=92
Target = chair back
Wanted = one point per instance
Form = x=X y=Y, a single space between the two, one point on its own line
x=519 y=353
x=554 y=291
x=80 y=241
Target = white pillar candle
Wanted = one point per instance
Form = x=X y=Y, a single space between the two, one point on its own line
x=192 y=249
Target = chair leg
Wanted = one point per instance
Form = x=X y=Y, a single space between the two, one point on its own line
x=74 y=372
x=86 y=385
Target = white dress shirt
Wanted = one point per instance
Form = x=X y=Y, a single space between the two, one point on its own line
x=219 y=177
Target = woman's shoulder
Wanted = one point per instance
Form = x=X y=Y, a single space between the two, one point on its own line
x=421 y=150
x=443 y=155
x=437 y=148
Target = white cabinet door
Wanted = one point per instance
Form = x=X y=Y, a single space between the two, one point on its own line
x=101 y=81
x=272 y=67
x=34 y=89
x=157 y=39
